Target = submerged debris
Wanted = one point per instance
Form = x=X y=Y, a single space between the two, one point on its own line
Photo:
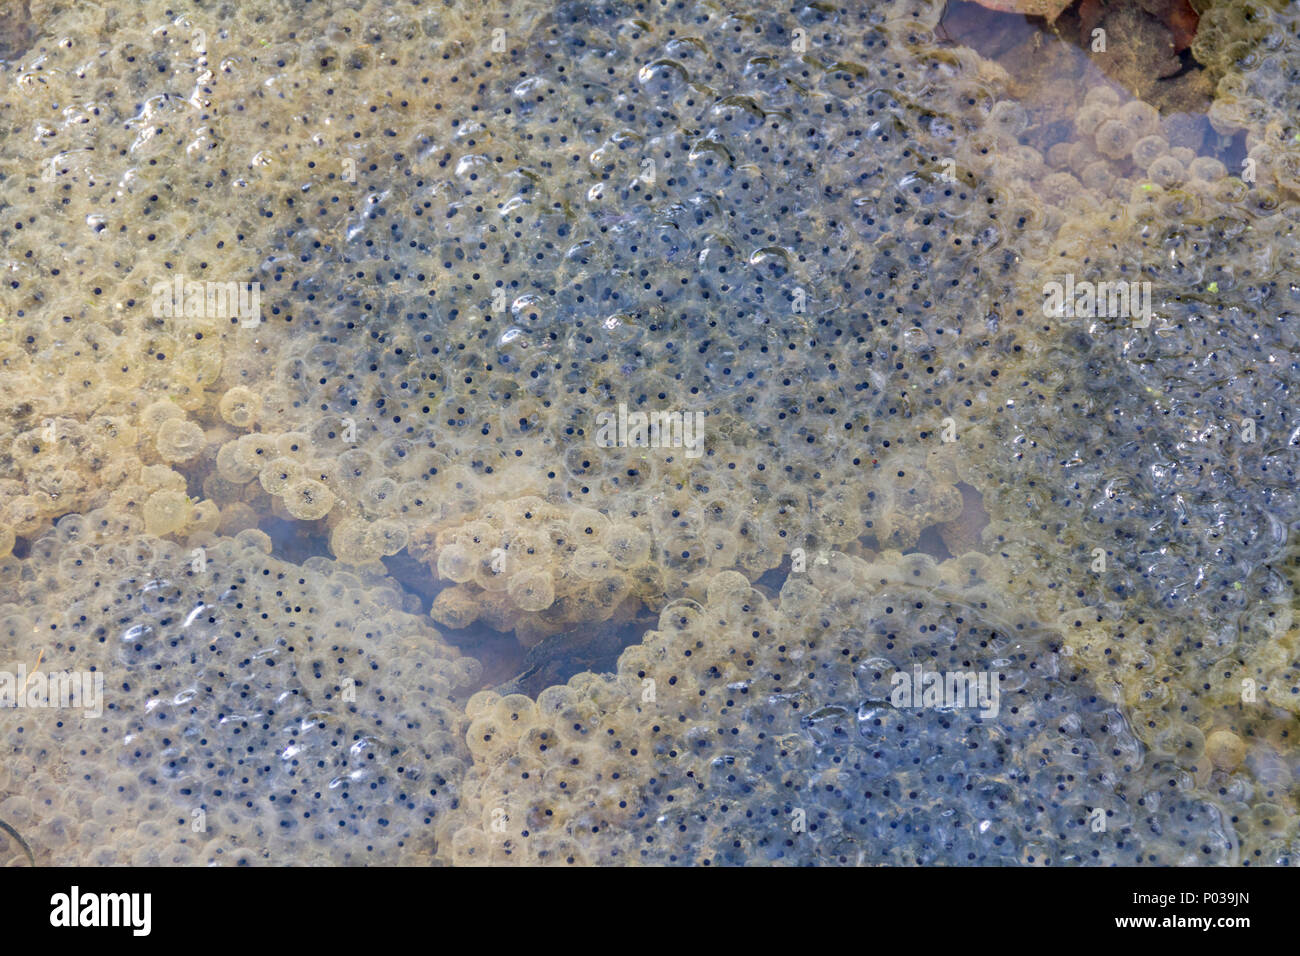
x=31 y=857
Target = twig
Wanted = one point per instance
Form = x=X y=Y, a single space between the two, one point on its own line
x=26 y=680
x=21 y=842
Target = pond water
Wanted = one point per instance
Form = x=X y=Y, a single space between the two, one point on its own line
x=608 y=433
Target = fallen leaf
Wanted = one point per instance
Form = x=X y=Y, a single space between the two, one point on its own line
x=1182 y=21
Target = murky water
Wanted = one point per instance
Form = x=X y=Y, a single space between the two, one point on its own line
x=673 y=433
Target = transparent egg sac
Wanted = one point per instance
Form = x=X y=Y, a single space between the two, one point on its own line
x=550 y=433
